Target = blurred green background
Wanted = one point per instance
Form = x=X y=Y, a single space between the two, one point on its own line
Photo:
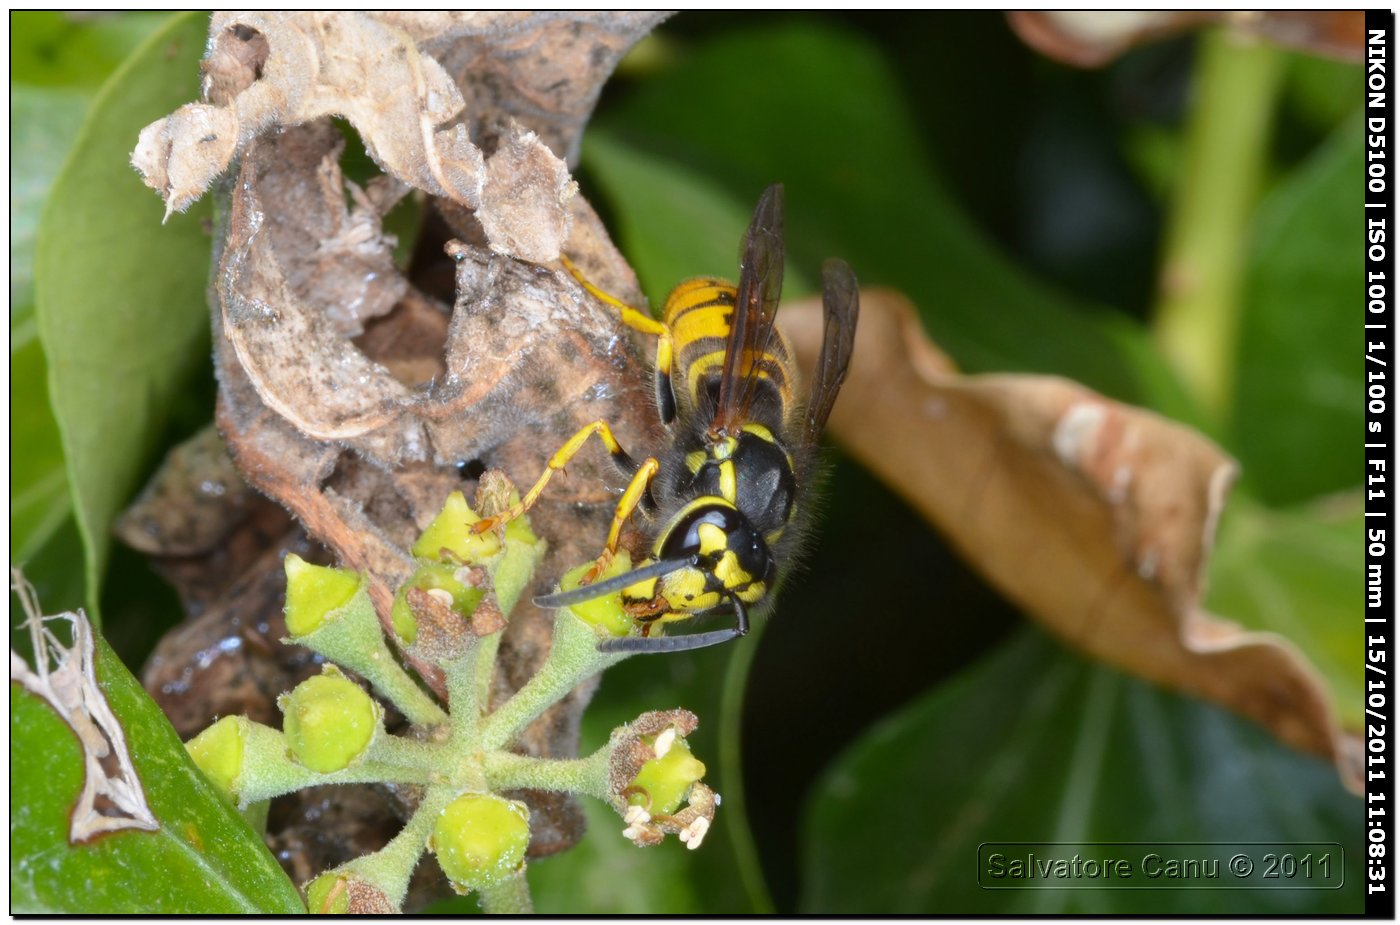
x=895 y=712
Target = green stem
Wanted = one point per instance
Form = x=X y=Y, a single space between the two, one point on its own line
x=355 y=640
x=391 y=867
x=464 y=694
x=431 y=758
x=573 y=657
x=1200 y=301
x=509 y=897
x=392 y=681
x=509 y=771
x=267 y=772
x=731 y=713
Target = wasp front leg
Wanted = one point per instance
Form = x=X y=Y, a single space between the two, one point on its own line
x=638 y=320
x=556 y=462
x=634 y=495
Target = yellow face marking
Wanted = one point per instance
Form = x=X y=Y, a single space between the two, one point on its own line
x=724 y=448
x=729 y=572
x=753 y=593
x=693 y=461
x=712 y=539
x=641 y=591
x=684 y=590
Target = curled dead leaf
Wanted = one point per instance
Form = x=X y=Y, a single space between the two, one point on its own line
x=1093 y=516
x=380 y=72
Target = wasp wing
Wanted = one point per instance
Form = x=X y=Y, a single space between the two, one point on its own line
x=751 y=328
x=841 y=308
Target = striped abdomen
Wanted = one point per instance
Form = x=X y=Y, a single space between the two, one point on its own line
x=698 y=312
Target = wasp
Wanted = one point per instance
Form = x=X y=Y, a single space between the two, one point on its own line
x=723 y=497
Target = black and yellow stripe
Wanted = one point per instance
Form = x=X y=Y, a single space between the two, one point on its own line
x=698 y=314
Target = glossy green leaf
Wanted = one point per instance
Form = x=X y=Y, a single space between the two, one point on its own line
x=121 y=305
x=1299 y=573
x=1299 y=395
x=50 y=48
x=1033 y=745
x=44 y=122
x=58 y=61
x=203 y=859
x=819 y=110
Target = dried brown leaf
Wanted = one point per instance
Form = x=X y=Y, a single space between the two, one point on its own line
x=1092 y=38
x=525 y=73
x=1095 y=517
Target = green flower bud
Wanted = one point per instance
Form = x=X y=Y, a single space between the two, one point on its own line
x=328 y=895
x=314 y=592
x=439 y=576
x=663 y=782
x=449 y=531
x=328 y=721
x=604 y=612
x=218 y=752
x=480 y=840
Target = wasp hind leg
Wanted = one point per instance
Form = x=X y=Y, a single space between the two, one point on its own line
x=557 y=462
x=638 y=320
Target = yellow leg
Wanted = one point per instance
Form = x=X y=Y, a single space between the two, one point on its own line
x=556 y=462
x=634 y=318
x=636 y=490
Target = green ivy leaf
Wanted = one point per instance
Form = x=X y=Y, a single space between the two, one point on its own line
x=203 y=859
x=1034 y=744
x=1297 y=417
x=68 y=49
x=121 y=306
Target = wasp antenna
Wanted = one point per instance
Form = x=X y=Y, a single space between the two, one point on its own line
x=681 y=643
x=616 y=583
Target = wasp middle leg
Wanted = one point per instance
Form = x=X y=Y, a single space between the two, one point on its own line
x=558 y=461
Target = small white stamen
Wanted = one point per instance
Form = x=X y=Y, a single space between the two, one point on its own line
x=441 y=595
x=696 y=830
x=636 y=815
x=631 y=832
x=664 y=742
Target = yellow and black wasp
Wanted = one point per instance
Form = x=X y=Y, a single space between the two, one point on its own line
x=722 y=498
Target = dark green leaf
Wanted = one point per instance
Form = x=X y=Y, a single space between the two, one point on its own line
x=121 y=307
x=1299 y=396
x=70 y=49
x=203 y=859
x=1036 y=745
